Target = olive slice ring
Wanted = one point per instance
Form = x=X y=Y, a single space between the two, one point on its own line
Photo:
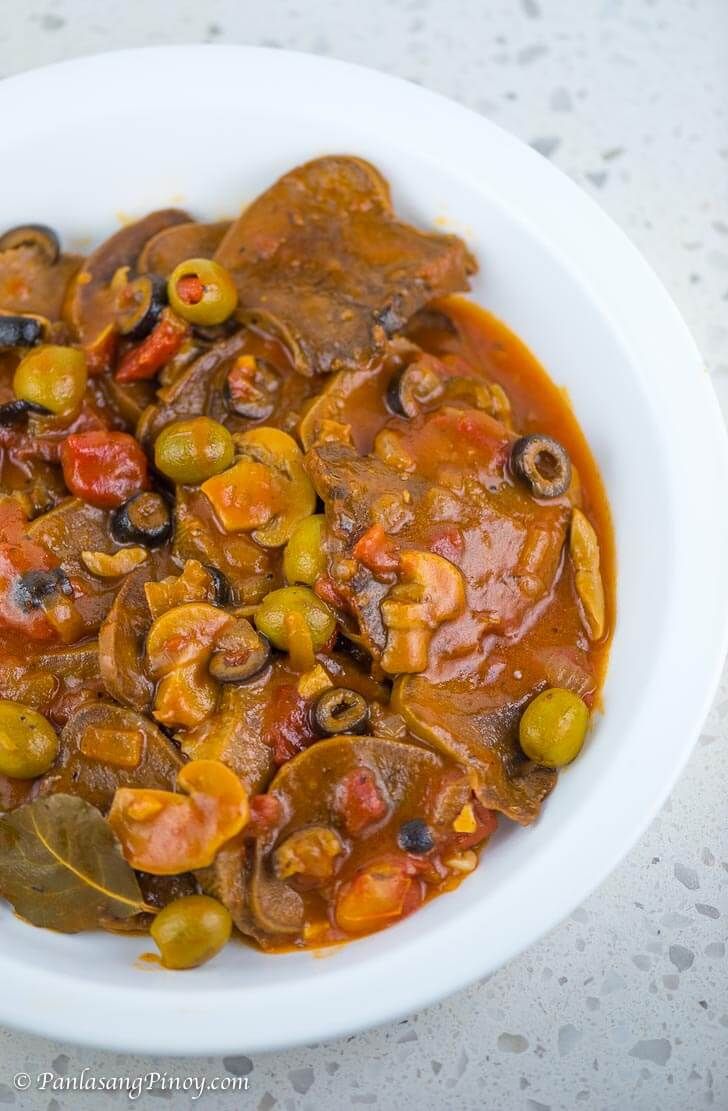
x=341 y=711
x=543 y=463
x=139 y=304
x=144 y=519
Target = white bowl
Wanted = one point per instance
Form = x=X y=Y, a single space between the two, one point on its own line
x=209 y=127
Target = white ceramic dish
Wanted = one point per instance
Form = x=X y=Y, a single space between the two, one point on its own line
x=87 y=140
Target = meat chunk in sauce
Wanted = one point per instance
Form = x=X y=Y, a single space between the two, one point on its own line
x=322 y=256
x=442 y=487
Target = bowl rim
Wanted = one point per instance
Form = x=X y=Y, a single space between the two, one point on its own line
x=160 y=1021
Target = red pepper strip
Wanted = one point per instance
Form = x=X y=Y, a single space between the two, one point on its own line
x=147 y=358
x=190 y=289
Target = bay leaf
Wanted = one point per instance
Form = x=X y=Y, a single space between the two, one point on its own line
x=61 y=866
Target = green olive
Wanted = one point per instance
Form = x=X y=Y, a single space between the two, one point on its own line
x=189 y=451
x=53 y=377
x=191 y=930
x=553 y=727
x=28 y=743
x=270 y=617
x=304 y=558
x=202 y=292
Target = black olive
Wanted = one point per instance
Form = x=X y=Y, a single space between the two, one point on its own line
x=34 y=587
x=139 y=305
x=543 y=463
x=20 y=331
x=240 y=653
x=341 y=710
x=33 y=235
x=412 y=388
x=221 y=586
x=415 y=836
x=251 y=387
x=145 y=519
x=13 y=412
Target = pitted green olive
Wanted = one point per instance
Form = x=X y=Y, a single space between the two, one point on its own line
x=553 y=727
x=190 y=451
x=270 y=617
x=191 y=930
x=304 y=558
x=28 y=743
x=53 y=377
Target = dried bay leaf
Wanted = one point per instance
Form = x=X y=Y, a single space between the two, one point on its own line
x=61 y=866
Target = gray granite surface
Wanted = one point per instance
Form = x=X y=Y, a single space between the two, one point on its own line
x=625 y=1005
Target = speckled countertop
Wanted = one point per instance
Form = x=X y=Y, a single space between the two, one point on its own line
x=626 y=1004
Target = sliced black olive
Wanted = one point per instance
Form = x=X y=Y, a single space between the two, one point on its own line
x=415 y=836
x=239 y=653
x=139 y=304
x=20 y=331
x=34 y=587
x=221 y=586
x=341 y=710
x=412 y=388
x=13 y=412
x=251 y=388
x=543 y=463
x=145 y=519
x=33 y=235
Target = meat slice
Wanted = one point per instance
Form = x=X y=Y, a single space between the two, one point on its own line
x=442 y=487
x=323 y=258
x=178 y=242
x=89 y=307
x=29 y=283
x=353 y=488
x=463 y=721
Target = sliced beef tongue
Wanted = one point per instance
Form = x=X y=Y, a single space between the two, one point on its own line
x=460 y=505
x=353 y=488
x=461 y=720
x=322 y=256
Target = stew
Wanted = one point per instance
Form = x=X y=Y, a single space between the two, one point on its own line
x=306 y=572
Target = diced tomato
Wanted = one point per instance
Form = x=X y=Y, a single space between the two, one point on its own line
x=447 y=541
x=359 y=800
x=18 y=555
x=379 y=894
x=288 y=726
x=265 y=814
x=329 y=592
x=377 y=551
x=147 y=358
x=104 y=468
